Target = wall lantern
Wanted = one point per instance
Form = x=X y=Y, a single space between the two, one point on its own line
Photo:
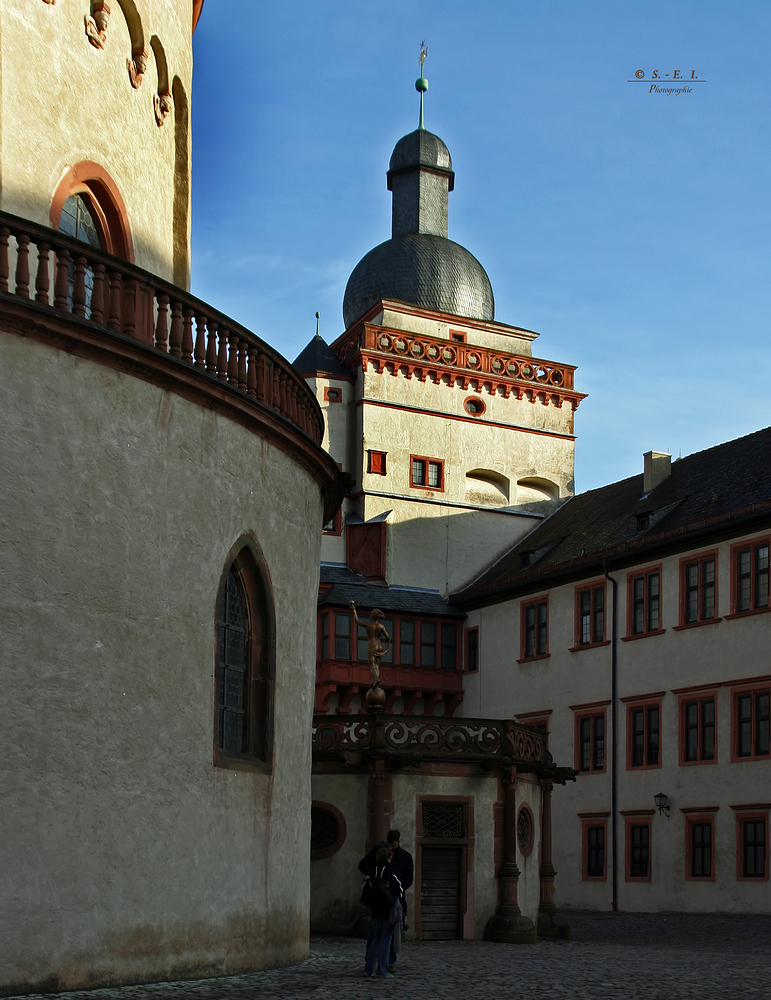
x=662 y=803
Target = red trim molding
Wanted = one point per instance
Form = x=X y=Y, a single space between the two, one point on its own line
x=105 y=200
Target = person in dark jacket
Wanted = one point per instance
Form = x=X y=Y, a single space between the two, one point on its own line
x=405 y=869
x=380 y=904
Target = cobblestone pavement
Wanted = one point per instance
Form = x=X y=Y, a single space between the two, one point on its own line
x=630 y=956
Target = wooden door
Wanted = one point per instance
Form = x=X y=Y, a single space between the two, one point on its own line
x=440 y=894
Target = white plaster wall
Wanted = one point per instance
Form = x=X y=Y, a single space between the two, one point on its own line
x=127 y=855
x=721 y=653
x=336 y=881
x=64 y=101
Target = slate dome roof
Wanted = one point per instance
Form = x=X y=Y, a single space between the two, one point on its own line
x=423 y=270
x=420 y=148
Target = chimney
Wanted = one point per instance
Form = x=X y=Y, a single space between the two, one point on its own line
x=656 y=467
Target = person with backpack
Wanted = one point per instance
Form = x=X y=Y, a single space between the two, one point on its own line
x=381 y=892
x=404 y=867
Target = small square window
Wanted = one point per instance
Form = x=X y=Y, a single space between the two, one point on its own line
x=427 y=473
x=376 y=462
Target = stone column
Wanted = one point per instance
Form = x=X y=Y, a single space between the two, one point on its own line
x=508 y=924
x=550 y=923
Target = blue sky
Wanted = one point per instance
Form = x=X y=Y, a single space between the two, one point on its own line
x=629 y=228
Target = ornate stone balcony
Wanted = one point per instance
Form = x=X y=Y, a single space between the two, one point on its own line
x=90 y=303
x=353 y=742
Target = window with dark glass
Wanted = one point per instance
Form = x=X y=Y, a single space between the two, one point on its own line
x=595 y=851
x=754 y=848
x=591 y=742
x=472 y=650
x=449 y=646
x=591 y=612
x=325 y=637
x=407 y=642
x=753 y=723
x=233 y=635
x=645 y=603
x=428 y=644
x=644 y=734
x=342 y=637
x=699 y=589
x=701 y=850
x=752 y=576
x=639 y=850
x=699 y=729
x=535 y=634
x=362 y=643
x=77 y=221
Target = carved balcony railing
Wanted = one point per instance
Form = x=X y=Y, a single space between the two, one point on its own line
x=408 y=741
x=119 y=300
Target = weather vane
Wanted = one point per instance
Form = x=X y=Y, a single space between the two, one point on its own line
x=421 y=84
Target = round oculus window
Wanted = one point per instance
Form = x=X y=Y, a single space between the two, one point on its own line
x=327 y=831
x=525 y=830
x=474 y=406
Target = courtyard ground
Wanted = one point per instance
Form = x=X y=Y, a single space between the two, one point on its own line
x=630 y=956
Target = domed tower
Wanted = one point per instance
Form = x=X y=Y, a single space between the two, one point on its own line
x=456 y=437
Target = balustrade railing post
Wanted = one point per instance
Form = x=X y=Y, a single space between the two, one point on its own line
x=200 y=341
x=162 y=323
x=284 y=407
x=276 y=400
x=251 y=372
x=242 y=349
x=211 y=349
x=114 y=308
x=79 y=287
x=222 y=355
x=175 y=334
x=232 y=359
x=187 y=336
x=130 y=308
x=97 y=295
x=61 y=282
x=262 y=377
x=22 y=266
x=43 y=278
x=5 y=234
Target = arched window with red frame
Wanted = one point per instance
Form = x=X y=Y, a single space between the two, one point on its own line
x=88 y=205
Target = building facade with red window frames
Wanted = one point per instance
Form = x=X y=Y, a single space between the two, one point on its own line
x=456 y=441
x=158 y=642
x=685 y=547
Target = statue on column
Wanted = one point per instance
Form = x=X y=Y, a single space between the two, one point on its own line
x=375 y=652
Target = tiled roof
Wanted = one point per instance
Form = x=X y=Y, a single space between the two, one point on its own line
x=725 y=487
x=404 y=600
x=338 y=573
x=316 y=358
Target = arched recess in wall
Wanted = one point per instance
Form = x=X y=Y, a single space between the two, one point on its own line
x=104 y=202
x=487 y=487
x=533 y=488
x=137 y=65
x=181 y=218
x=245 y=664
x=162 y=100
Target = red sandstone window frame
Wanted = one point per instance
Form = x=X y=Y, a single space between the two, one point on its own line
x=631 y=602
x=428 y=462
x=333 y=394
x=592 y=715
x=588 y=822
x=442 y=627
x=693 y=819
x=700 y=698
x=100 y=192
x=336 y=522
x=750 y=814
x=376 y=462
x=458 y=337
x=591 y=588
x=526 y=849
x=536 y=603
x=643 y=704
x=752 y=691
x=642 y=819
x=751 y=544
x=474 y=406
x=699 y=560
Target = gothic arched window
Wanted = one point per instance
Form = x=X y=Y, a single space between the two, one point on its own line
x=244 y=668
x=77 y=220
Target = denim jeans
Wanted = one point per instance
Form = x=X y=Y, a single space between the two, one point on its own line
x=378 y=945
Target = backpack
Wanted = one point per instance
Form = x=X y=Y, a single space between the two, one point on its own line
x=378 y=894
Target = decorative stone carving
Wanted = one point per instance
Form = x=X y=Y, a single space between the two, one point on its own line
x=137 y=67
x=163 y=104
x=49 y=1
x=96 y=23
